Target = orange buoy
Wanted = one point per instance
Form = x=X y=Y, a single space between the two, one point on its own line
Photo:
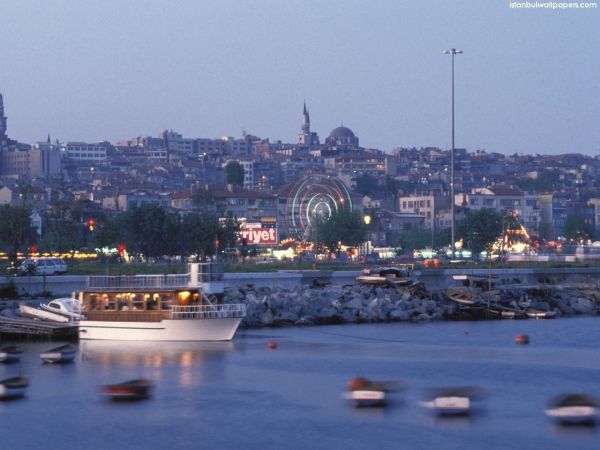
x=522 y=339
x=272 y=345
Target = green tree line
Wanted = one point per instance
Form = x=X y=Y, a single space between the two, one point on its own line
x=147 y=231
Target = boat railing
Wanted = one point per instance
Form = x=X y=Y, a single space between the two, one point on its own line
x=208 y=312
x=138 y=281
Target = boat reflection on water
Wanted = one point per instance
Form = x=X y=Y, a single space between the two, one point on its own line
x=153 y=354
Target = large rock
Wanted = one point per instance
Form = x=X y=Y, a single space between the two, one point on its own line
x=266 y=318
x=582 y=305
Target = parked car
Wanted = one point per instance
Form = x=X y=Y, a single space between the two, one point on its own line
x=43 y=266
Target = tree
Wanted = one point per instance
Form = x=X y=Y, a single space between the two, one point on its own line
x=106 y=233
x=61 y=234
x=576 y=229
x=343 y=226
x=547 y=181
x=416 y=239
x=480 y=228
x=149 y=230
x=16 y=231
x=197 y=234
x=234 y=173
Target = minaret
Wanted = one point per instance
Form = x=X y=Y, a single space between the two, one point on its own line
x=305 y=121
x=2 y=119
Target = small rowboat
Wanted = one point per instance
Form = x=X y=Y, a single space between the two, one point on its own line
x=573 y=409
x=129 y=390
x=462 y=296
x=13 y=387
x=60 y=355
x=10 y=354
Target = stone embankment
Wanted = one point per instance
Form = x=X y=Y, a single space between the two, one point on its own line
x=312 y=305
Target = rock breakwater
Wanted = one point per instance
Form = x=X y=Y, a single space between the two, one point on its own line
x=330 y=304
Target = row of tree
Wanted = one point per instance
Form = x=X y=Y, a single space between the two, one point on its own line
x=147 y=231
x=151 y=231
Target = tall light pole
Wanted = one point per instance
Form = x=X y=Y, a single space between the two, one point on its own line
x=452 y=52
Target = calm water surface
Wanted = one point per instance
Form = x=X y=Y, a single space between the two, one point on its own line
x=241 y=395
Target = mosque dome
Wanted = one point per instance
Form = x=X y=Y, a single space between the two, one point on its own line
x=341 y=133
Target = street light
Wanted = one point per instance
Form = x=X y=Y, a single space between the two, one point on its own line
x=452 y=52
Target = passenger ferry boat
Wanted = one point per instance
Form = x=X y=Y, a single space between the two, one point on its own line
x=159 y=307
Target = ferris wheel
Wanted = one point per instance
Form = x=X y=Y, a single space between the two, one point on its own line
x=313 y=198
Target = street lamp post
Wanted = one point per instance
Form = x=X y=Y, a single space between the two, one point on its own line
x=452 y=52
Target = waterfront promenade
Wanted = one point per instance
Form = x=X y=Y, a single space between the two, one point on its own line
x=64 y=285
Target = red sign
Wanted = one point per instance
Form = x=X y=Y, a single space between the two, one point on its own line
x=257 y=233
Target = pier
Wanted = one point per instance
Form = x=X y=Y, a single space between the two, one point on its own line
x=12 y=328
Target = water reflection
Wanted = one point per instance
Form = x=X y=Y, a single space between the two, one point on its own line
x=153 y=354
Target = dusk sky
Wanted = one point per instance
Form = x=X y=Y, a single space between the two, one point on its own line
x=528 y=81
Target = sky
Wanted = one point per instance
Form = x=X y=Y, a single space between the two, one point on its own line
x=528 y=81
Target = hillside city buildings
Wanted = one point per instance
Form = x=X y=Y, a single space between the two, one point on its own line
x=405 y=189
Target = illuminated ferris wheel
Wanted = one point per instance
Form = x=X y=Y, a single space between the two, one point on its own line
x=312 y=198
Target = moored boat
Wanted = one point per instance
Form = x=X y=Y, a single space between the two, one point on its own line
x=159 y=307
x=462 y=296
x=385 y=276
x=539 y=314
x=452 y=400
x=364 y=392
x=10 y=354
x=68 y=307
x=573 y=409
x=62 y=354
x=13 y=387
x=40 y=314
x=137 y=389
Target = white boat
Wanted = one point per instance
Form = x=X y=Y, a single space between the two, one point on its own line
x=67 y=307
x=13 y=387
x=10 y=354
x=573 y=409
x=539 y=314
x=452 y=400
x=62 y=354
x=367 y=397
x=35 y=313
x=449 y=405
x=364 y=392
x=159 y=307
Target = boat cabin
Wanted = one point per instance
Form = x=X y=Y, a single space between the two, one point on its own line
x=146 y=304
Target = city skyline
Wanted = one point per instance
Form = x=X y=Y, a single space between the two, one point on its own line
x=525 y=84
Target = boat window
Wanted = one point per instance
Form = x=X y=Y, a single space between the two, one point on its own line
x=183 y=298
x=166 y=301
x=137 y=301
x=54 y=305
x=110 y=302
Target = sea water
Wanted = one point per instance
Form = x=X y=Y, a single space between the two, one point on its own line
x=244 y=395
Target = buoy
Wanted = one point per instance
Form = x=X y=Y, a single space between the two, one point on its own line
x=522 y=339
x=272 y=345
